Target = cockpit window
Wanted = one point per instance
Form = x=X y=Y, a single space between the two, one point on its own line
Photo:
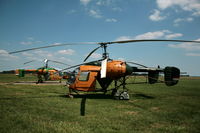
x=84 y=76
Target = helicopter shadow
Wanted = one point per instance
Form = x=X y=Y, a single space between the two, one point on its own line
x=141 y=96
x=29 y=97
x=109 y=96
x=81 y=96
x=90 y=96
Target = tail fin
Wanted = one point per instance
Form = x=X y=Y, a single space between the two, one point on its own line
x=172 y=75
x=20 y=72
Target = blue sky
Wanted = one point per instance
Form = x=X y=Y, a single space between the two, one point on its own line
x=32 y=23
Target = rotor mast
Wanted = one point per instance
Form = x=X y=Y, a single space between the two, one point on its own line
x=105 y=54
x=46 y=63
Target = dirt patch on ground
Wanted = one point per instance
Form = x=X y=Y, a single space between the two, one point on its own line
x=131 y=113
x=155 y=109
x=190 y=77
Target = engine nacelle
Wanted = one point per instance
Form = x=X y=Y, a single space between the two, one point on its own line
x=172 y=75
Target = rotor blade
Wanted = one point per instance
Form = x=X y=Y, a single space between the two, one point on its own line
x=136 y=64
x=81 y=64
x=103 y=43
x=59 y=62
x=91 y=53
x=53 y=45
x=148 y=40
x=28 y=62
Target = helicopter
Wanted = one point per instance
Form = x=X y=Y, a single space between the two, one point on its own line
x=43 y=73
x=106 y=70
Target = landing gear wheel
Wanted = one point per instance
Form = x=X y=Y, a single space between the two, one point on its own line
x=121 y=95
x=70 y=96
x=124 y=95
x=70 y=93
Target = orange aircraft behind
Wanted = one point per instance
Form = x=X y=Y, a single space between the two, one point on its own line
x=42 y=73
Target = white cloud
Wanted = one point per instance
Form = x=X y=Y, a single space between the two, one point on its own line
x=186 y=5
x=156 y=16
x=96 y=55
x=26 y=42
x=197 y=13
x=187 y=46
x=179 y=20
x=102 y=3
x=193 y=54
x=65 y=59
x=42 y=53
x=175 y=35
x=38 y=55
x=4 y=55
x=30 y=38
x=85 y=2
x=30 y=41
x=189 y=19
x=66 y=52
x=123 y=38
x=56 y=43
x=111 y=20
x=152 y=35
x=27 y=54
x=95 y=14
x=3 y=52
x=95 y=8
x=166 y=34
x=71 y=11
x=117 y=9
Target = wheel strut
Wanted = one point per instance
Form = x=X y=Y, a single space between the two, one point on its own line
x=120 y=95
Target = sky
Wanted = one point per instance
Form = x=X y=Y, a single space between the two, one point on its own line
x=34 y=23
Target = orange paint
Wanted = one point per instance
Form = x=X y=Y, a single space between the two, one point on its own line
x=88 y=74
x=88 y=82
x=116 y=69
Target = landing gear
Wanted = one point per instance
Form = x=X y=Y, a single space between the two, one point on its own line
x=120 y=95
x=39 y=79
x=70 y=93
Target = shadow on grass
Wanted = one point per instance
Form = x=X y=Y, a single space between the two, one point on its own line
x=91 y=96
x=88 y=96
x=108 y=96
x=141 y=96
x=29 y=97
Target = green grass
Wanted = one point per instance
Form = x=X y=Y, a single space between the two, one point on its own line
x=151 y=109
x=5 y=78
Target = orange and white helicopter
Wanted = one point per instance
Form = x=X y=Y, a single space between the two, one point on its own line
x=43 y=73
x=106 y=70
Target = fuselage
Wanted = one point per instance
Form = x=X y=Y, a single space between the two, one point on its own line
x=89 y=74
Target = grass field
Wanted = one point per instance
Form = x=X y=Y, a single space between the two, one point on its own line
x=151 y=109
